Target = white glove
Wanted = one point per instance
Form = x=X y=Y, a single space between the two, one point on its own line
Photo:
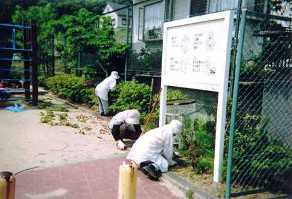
x=120 y=145
x=172 y=163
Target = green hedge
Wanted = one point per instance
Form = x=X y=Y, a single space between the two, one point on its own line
x=130 y=95
x=127 y=95
x=71 y=88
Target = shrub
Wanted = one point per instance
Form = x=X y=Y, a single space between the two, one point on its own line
x=257 y=151
x=175 y=94
x=151 y=120
x=72 y=88
x=130 y=95
x=204 y=165
x=197 y=144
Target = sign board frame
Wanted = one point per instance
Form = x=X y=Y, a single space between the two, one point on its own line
x=176 y=78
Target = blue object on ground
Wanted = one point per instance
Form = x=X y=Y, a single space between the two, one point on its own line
x=16 y=108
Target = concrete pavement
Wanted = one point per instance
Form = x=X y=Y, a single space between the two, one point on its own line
x=88 y=180
x=66 y=164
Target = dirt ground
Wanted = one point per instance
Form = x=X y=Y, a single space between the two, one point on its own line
x=27 y=143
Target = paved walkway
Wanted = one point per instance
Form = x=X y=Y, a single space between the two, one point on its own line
x=26 y=143
x=66 y=164
x=87 y=180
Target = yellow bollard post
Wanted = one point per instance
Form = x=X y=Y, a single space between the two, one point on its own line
x=3 y=188
x=12 y=183
x=7 y=185
x=127 y=181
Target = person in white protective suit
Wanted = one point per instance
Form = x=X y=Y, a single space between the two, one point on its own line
x=153 y=151
x=125 y=125
x=102 y=90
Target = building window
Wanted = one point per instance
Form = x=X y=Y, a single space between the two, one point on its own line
x=124 y=21
x=141 y=24
x=113 y=21
x=198 y=7
x=221 y=5
x=153 y=19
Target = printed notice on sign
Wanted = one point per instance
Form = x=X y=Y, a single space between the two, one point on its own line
x=195 y=53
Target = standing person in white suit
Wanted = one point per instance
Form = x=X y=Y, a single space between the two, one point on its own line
x=125 y=125
x=153 y=151
x=102 y=89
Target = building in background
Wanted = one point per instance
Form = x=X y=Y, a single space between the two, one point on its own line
x=149 y=16
x=118 y=15
x=146 y=18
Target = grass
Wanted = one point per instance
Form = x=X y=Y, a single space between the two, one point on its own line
x=82 y=118
x=52 y=107
x=56 y=119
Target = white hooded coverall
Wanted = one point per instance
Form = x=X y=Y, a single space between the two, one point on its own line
x=102 y=89
x=156 y=145
x=131 y=116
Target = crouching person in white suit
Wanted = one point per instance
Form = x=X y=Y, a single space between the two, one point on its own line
x=102 y=89
x=125 y=125
x=153 y=151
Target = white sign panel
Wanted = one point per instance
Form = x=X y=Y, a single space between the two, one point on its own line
x=194 y=52
x=196 y=55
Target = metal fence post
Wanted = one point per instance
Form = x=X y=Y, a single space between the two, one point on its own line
x=34 y=65
x=234 y=104
x=234 y=45
x=26 y=54
x=129 y=38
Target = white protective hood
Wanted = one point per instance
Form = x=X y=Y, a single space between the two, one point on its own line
x=131 y=116
x=106 y=85
x=156 y=145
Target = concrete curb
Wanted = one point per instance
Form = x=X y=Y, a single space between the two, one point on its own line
x=185 y=186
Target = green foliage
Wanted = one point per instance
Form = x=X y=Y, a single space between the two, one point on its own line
x=151 y=120
x=197 y=145
x=255 y=151
x=72 y=88
x=110 y=52
x=70 y=29
x=76 y=33
x=52 y=107
x=56 y=119
x=129 y=95
x=258 y=151
x=65 y=7
x=176 y=94
x=45 y=18
x=204 y=165
x=47 y=117
x=146 y=59
x=189 y=194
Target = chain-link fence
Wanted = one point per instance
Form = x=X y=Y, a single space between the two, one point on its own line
x=260 y=138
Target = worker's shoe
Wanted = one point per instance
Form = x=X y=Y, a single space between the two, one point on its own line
x=151 y=171
x=120 y=145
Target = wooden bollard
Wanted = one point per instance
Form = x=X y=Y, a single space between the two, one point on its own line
x=7 y=185
x=127 y=181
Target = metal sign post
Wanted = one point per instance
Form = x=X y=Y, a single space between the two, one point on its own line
x=196 y=55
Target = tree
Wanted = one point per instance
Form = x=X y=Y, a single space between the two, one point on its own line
x=45 y=18
x=110 y=52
